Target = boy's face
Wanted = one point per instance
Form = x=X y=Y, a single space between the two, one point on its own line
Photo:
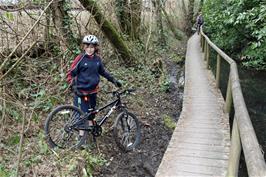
x=89 y=48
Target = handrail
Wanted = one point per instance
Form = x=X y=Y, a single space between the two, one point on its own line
x=243 y=132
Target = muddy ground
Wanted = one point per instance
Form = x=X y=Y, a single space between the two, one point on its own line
x=151 y=105
x=145 y=160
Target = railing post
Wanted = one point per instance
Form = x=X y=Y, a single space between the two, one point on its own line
x=202 y=43
x=218 y=70
x=205 y=49
x=200 y=40
x=235 y=150
x=208 y=56
x=228 y=101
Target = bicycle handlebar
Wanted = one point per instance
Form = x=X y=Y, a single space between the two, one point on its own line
x=117 y=93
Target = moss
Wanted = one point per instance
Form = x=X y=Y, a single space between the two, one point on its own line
x=178 y=59
x=109 y=31
x=169 y=122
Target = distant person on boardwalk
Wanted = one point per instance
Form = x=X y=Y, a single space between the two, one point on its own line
x=199 y=22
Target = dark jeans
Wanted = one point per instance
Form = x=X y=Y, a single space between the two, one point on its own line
x=85 y=105
x=198 y=27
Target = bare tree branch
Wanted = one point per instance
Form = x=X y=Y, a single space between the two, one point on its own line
x=14 y=50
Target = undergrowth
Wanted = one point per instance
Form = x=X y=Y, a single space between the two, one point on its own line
x=39 y=84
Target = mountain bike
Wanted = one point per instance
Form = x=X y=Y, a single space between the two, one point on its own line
x=63 y=124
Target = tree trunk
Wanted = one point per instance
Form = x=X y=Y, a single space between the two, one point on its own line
x=135 y=11
x=177 y=33
x=123 y=15
x=47 y=29
x=109 y=31
x=62 y=23
x=190 y=16
x=129 y=17
x=159 y=21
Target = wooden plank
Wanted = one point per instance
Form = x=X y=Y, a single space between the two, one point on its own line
x=198 y=136
x=197 y=165
x=199 y=161
x=206 y=131
x=179 y=173
x=201 y=154
x=216 y=148
x=201 y=141
x=216 y=134
x=204 y=141
x=200 y=124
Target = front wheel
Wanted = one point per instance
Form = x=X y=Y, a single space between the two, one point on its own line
x=58 y=128
x=126 y=131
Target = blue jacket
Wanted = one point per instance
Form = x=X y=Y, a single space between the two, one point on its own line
x=86 y=71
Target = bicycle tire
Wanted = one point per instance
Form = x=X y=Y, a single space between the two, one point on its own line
x=119 y=129
x=71 y=111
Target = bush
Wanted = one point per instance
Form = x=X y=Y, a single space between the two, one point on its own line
x=239 y=28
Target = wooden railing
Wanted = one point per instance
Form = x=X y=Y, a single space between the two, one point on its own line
x=243 y=134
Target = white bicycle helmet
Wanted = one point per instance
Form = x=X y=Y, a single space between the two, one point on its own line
x=90 y=39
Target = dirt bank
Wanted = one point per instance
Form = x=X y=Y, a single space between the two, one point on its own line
x=145 y=160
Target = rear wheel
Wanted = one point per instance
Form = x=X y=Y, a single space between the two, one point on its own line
x=126 y=131
x=58 y=128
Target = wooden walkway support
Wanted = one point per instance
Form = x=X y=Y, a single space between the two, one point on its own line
x=200 y=144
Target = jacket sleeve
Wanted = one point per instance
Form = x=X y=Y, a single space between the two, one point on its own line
x=73 y=71
x=105 y=73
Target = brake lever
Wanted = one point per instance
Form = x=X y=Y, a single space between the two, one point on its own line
x=131 y=91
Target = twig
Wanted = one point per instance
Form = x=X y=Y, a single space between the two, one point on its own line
x=5 y=8
x=21 y=141
x=29 y=121
x=149 y=36
x=12 y=102
x=18 y=61
x=9 y=26
x=85 y=172
x=2 y=54
x=3 y=112
x=14 y=50
x=36 y=19
x=7 y=149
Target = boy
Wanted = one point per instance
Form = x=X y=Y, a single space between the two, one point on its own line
x=85 y=73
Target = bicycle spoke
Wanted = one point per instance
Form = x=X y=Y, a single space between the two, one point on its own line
x=61 y=139
x=74 y=117
x=124 y=140
x=59 y=128
x=127 y=132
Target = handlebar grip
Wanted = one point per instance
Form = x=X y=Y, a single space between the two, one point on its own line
x=131 y=90
x=117 y=93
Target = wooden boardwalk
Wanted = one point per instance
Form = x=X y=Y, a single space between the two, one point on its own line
x=201 y=141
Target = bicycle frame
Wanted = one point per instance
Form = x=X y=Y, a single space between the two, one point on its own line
x=116 y=103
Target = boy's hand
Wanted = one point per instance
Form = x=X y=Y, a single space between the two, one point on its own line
x=117 y=83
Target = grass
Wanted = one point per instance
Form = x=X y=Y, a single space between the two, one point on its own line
x=5 y=172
